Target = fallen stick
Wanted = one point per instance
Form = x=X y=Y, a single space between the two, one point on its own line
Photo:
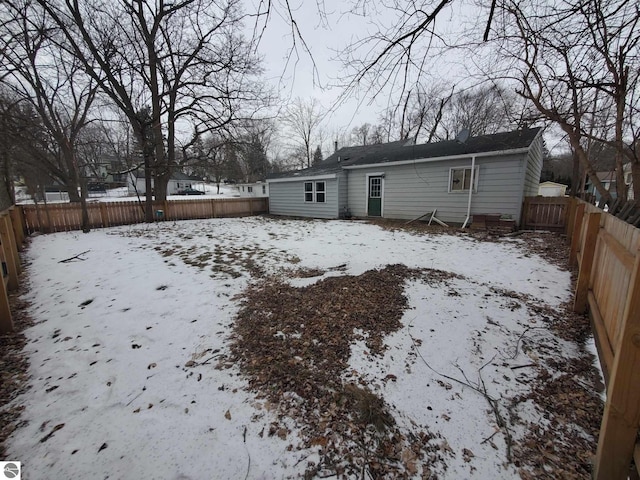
x=523 y=366
x=74 y=257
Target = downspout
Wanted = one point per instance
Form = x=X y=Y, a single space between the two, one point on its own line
x=473 y=171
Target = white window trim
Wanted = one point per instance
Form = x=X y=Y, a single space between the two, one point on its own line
x=475 y=179
x=366 y=191
x=314 y=192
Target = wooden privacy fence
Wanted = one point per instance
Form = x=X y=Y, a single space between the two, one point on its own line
x=606 y=250
x=59 y=217
x=11 y=239
x=545 y=213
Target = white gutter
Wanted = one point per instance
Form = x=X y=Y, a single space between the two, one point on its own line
x=471 y=184
x=301 y=178
x=494 y=153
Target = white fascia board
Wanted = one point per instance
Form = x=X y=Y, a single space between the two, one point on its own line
x=302 y=179
x=440 y=159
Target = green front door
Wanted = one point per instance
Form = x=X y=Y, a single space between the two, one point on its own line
x=374 y=204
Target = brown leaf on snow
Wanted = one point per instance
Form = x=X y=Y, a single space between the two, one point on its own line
x=227 y=415
x=50 y=434
x=467 y=455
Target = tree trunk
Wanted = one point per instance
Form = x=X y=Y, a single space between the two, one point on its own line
x=574 y=140
x=46 y=210
x=161 y=181
x=72 y=190
x=83 y=206
x=148 y=199
x=575 y=176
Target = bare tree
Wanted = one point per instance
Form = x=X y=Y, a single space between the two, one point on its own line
x=207 y=157
x=54 y=85
x=360 y=135
x=252 y=145
x=160 y=63
x=484 y=110
x=302 y=120
x=11 y=146
x=577 y=62
x=440 y=113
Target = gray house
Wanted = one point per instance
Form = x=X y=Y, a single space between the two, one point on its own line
x=488 y=174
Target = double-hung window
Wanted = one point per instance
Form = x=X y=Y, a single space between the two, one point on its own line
x=460 y=179
x=315 y=192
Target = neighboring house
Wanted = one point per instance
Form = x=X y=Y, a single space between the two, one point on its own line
x=405 y=181
x=552 y=189
x=254 y=189
x=106 y=171
x=178 y=181
x=608 y=180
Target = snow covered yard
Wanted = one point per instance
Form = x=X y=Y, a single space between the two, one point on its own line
x=139 y=365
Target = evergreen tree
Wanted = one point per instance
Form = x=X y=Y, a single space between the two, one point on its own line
x=317 y=155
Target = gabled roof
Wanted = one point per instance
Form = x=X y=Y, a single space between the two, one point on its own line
x=403 y=150
x=552 y=184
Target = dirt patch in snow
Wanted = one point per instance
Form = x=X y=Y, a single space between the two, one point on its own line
x=294 y=345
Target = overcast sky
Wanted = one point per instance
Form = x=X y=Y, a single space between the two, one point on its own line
x=325 y=36
x=294 y=75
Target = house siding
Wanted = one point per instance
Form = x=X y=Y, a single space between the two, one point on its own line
x=415 y=189
x=287 y=198
x=534 y=168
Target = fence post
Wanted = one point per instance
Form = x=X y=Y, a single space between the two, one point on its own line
x=525 y=213
x=6 y=322
x=165 y=205
x=569 y=219
x=586 y=263
x=104 y=218
x=576 y=232
x=17 y=225
x=11 y=257
x=621 y=418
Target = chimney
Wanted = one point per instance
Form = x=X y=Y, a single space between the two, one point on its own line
x=335 y=146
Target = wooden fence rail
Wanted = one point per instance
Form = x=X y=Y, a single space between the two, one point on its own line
x=607 y=253
x=59 y=217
